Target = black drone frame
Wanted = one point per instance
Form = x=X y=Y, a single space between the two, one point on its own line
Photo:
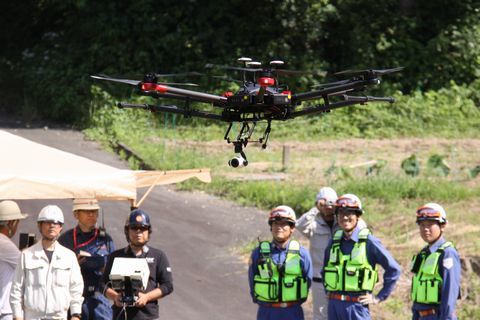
x=334 y=95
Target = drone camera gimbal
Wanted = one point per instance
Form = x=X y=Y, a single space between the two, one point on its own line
x=238 y=161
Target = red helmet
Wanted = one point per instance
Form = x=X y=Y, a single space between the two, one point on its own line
x=282 y=213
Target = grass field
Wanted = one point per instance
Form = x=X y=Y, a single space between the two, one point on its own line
x=331 y=151
x=390 y=197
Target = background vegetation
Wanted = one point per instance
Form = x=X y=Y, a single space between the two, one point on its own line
x=50 y=47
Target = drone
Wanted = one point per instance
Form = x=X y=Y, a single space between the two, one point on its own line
x=261 y=97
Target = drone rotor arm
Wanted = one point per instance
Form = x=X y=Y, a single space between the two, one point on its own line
x=162 y=89
x=347 y=101
x=369 y=72
x=322 y=108
x=363 y=99
x=172 y=109
x=156 y=94
x=333 y=90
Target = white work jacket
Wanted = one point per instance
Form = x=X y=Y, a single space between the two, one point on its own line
x=46 y=289
x=312 y=225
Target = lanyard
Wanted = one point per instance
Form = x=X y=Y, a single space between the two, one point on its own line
x=75 y=246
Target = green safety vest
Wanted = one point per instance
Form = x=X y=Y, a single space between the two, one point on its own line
x=353 y=272
x=282 y=283
x=427 y=281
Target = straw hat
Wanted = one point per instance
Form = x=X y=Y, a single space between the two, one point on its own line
x=85 y=204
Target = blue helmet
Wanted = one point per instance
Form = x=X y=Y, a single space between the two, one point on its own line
x=138 y=217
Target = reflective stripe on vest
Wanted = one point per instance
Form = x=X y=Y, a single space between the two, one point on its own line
x=351 y=272
x=427 y=281
x=282 y=283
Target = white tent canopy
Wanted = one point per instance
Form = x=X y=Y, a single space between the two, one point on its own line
x=29 y=170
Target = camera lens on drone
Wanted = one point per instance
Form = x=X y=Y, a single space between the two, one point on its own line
x=235 y=162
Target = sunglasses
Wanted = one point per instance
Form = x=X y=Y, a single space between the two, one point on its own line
x=56 y=223
x=327 y=203
x=141 y=228
x=428 y=213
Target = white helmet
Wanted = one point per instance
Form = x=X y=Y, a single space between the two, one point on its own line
x=350 y=202
x=9 y=210
x=328 y=194
x=282 y=213
x=431 y=211
x=51 y=213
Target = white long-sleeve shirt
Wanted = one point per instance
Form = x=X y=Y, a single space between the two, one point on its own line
x=46 y=289
x=312 y=225
x=9 y=255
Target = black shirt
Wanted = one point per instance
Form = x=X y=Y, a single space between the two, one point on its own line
x=160 y=277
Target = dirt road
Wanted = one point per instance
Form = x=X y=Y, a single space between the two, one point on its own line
x=198 y=232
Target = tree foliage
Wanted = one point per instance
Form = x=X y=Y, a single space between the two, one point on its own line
x=50 y=47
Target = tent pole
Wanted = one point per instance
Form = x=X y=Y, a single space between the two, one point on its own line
x=139 y=203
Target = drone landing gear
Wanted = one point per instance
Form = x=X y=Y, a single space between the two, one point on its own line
x=242 y=140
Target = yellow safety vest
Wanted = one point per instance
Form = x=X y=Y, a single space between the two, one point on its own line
x=282 y=283
x=427 y=281
x=353 y=272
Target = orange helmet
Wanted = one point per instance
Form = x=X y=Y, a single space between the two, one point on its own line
x=282 y=213
x=350 y=202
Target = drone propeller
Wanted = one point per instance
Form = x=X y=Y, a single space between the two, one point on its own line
x=330 y=84
x=181 y=74
x=300 y=72
x=137 y=82
x=226 y=78
x=285 y=72
x=218 y=66
x=107 y=78
x=181 y=84
x=369 y=72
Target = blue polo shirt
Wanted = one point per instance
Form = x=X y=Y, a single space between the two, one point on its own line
x=376 y=254
x=450 y=270
x=279 y=255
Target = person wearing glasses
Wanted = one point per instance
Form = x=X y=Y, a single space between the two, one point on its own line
x=280 y=271
x=436 y=268
x=350 y=265
x=138 y=230
x=92 y=246
x=318 y=225
x=47 y=281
